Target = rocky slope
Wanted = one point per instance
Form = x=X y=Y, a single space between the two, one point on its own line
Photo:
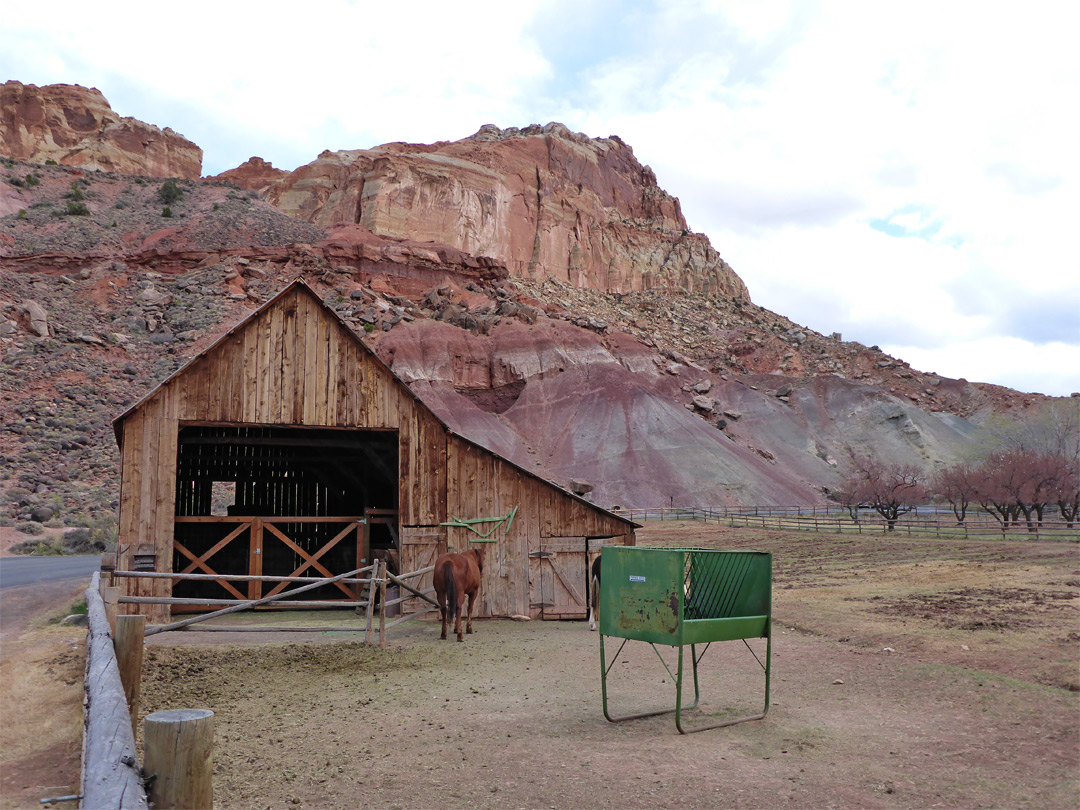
x=619 y=380
x=75 y=126
x=544 y=201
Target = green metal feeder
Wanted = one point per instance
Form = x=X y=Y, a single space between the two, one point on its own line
x=684 y=596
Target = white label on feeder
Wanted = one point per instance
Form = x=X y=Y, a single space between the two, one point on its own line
x=634 y=578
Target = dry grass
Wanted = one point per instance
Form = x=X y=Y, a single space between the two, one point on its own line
x=41 y=720
x=1007 y=607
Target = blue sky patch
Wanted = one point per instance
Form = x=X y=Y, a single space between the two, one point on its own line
x=917 y=221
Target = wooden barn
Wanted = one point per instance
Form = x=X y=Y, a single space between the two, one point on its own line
x=287 y=448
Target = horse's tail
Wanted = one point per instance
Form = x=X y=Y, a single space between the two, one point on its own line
x=451 y=590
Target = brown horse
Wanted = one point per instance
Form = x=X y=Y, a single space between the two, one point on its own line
x=457 y=576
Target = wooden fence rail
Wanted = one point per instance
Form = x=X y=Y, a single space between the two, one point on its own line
x=824 y=519
x=110 y=773
x=377 y=581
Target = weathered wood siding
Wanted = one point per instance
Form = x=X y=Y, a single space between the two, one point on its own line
x=481 y=484
x=295 y=363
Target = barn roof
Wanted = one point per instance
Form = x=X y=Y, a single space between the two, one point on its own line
x=301 y=284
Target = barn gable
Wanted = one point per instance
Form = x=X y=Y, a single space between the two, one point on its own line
x=290 y=414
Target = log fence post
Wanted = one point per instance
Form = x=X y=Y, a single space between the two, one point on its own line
x=128 y=643
x=179 y=751
x=111 y=597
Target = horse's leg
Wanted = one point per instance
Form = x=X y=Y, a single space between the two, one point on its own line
x=442 y=611
x=457 y=625
x=472 y=600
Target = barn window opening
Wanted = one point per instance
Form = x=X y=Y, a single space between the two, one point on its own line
x=222 y=498
x=281 y=501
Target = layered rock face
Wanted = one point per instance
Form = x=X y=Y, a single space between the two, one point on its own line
x=544 y=201
x=255 y=174
x=75 y=126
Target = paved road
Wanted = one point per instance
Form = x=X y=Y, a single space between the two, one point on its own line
x=16 y=571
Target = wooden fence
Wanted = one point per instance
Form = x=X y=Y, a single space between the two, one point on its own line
x=929 y=522
x=110 y=773
x=377 y=580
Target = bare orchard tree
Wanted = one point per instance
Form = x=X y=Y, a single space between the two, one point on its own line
x=1021 y=482
x=956 y=484
x=891 y=490
x=848 y=497
x=1065 y=491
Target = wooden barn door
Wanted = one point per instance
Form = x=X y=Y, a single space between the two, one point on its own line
x=420 y=545
x=557 y=578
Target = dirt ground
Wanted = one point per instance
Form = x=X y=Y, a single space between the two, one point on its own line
x=41 y=693
x=973 y=704
x=906 y=674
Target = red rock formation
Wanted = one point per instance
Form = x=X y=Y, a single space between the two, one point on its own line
x=546 y=202
x=75 y=126
x=255 y=174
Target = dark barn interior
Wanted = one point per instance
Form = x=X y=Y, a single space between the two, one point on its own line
x=230 y=472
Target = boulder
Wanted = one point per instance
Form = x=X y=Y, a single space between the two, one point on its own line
x=706 y=404
x=39 y=318
x=580 y=487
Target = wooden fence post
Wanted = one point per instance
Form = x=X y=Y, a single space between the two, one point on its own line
x=179 y=750
x=111 y=597
x=370 y=608
x=382 y=612
x=128 y=643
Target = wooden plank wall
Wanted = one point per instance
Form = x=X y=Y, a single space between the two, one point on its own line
x=296 y=364
x=278 y=369
x=480 y=485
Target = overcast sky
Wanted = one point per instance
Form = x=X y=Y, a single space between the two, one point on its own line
x=905 y=174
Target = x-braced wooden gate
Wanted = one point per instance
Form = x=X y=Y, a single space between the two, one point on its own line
x=259 y=533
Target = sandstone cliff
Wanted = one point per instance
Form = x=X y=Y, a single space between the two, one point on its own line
x=75 y=126
x=545 y=202
x=255 y=174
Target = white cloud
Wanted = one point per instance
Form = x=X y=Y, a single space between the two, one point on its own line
x=797 y=136
x=1050 y=368
x=372 y=70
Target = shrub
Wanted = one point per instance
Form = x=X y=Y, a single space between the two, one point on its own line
x=38 y=548
x=83 y=541
x=51 y=162
x=77 y=209
x=30 y=527
x=76 y=193
x=98 y=531
x=170 y=192
x=32 y=180
x=21 y=214
x=166 y=211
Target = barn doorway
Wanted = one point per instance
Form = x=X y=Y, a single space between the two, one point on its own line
x=281 y=501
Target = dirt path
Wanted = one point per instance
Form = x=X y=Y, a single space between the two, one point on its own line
x=41 y=691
